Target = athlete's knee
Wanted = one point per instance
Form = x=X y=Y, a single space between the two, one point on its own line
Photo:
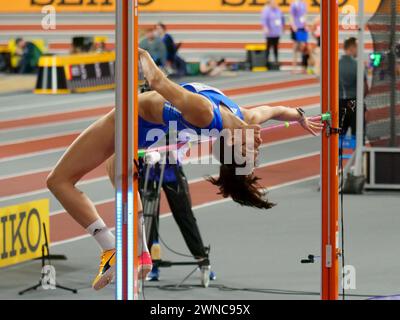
x=55 y=180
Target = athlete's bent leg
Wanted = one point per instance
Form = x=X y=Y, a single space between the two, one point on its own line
x=87 y=152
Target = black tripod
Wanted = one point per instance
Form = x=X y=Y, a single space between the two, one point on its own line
x=151 y=200
x=45 y=278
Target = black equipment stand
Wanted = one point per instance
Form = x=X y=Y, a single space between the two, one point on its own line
x=151 y=201
x=47 y=256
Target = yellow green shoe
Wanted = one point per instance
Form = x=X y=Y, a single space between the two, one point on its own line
x=106 y=270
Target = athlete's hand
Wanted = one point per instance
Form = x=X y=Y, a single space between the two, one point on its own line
x=251 y=141
x=312 y=126
x=252 y=132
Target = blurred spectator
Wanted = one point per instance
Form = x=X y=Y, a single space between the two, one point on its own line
x=82 y=44
x=30 y=55
x=170 y=46
x=5 y=63
x=212 y=67
x=2 y=63
x=310 y=58
x=306 y=57
x=273 y=22
x=316 y=30
x=155 y=46
x=298 y=24
x=316 y=53
x=100 y=44
x=174 y=61
x=100 y=47
x=348 y=87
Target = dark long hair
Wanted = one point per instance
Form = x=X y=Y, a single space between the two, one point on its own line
x=243 y=189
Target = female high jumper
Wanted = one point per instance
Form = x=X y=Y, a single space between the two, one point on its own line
x=193 y=106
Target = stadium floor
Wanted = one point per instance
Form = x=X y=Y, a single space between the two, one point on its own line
x=250 y=249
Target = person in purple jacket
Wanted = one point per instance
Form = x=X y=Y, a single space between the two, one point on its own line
x=273 y=22
x=298 y=24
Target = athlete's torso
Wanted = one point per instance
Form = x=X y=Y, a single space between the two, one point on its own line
x=171 y=113
x=214 y=95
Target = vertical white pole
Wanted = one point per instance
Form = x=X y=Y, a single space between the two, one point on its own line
x=118 y=153
x=125 y=137
x=132 y=138
x=360 y=89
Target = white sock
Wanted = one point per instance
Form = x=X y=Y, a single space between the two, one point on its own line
x=102 y=234
x=142 y=235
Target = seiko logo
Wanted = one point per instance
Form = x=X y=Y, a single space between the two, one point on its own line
x=16 y=227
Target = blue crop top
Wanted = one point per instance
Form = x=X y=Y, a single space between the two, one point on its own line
x=215 y=96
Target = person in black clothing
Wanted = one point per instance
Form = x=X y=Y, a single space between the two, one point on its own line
x=174 y=61
x=348 y=87
x=30 y=55
x=176 y=189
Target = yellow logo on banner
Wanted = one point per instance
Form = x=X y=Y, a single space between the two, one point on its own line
x=168 y=5
x=21 y=231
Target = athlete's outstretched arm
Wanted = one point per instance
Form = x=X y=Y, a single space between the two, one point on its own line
x=262 y=114
x=194 y=108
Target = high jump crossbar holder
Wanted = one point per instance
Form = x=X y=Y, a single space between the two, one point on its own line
x=330 y=251
x=126 y=146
